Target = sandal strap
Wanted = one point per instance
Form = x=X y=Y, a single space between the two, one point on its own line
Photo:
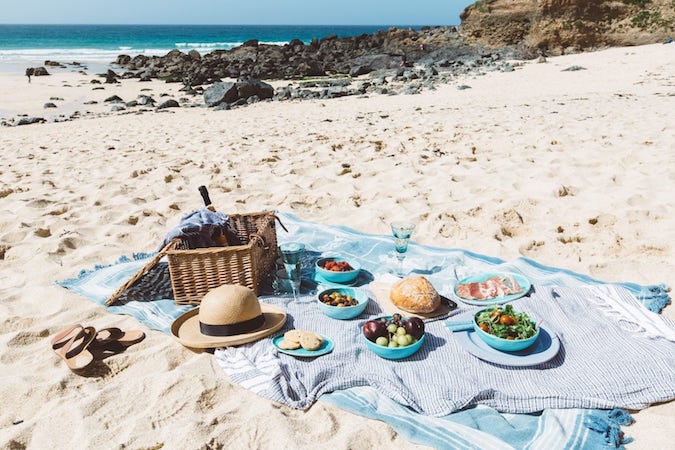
x=59 y=340
x=83 y=339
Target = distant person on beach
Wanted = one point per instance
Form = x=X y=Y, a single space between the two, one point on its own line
x=29 y=72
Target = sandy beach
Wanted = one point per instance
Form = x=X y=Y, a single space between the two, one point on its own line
x=572 y=168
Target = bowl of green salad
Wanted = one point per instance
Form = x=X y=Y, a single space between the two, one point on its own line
x=502 y=328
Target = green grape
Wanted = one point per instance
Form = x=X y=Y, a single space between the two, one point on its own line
x=383 y=341
x=393 y=344
x=392 y=328
x=401 y=331
x=402 y=340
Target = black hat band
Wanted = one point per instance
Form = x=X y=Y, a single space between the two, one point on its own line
x=233 y=328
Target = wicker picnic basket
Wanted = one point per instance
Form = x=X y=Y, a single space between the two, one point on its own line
x=196 y=271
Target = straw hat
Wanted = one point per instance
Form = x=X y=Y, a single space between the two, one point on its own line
x=228 y=315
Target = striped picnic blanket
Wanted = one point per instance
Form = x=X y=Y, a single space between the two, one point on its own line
x=425 y=417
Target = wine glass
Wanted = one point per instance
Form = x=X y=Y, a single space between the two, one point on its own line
x=291 y=255
x=402 y=231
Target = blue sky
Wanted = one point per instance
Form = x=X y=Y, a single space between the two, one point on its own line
x=264 y=12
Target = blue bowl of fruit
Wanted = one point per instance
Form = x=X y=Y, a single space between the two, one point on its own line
x=337 y=269
x=504 y=329
x=342 y=303
x=394 y=337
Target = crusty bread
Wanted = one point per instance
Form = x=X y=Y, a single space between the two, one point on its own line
x=415 y=295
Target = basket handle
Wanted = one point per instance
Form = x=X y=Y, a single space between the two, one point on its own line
x=150 y=264
x=272 y=217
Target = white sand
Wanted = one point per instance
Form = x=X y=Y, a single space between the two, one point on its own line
x=572 y=169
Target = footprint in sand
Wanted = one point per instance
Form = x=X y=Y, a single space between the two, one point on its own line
x=530 y=247
x=40 y=203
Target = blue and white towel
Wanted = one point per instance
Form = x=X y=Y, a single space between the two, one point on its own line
x=607 y=360
x=476 y=427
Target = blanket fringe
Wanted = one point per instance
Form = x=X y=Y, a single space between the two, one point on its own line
x=654 y=297
x=609 y=424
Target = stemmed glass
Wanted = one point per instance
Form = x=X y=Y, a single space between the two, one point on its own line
x=291 y=255
x=402 y=231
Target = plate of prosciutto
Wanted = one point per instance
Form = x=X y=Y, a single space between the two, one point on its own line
x=491 y=288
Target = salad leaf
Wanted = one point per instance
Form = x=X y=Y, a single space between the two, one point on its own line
x=506 y=323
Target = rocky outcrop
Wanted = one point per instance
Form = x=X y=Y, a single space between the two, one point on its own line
x=327 y=56
x=563 y=26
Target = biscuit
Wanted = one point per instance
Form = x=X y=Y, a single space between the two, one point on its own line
x=293 y=336
x=285 y=344
x=310 y=341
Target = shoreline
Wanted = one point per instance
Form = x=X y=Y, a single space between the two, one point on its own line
x=572 y=169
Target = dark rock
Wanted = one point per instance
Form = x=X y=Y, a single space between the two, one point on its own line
x=111 y=77
x=461 y=87
x=30 y=120
x=95 y=82
x=146 y=100
x=359 y=70
x=250 y=43
x=250 y=87
x=573 y=69
x=54 y=64
x=194 y=54
x=113 y=99
x=90 y=102
x=171 y=103
x=219 y=93
x=49 y=105
x=123 y=60
x=40 y=72
x=335 y=92
x=116 y=108
x=131 y=104
x=55 y=99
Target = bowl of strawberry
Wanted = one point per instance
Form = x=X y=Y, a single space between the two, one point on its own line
x=337 y=269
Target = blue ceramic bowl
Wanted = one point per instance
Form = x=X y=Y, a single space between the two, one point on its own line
x=344 y=312
x=337 y=277
x=504 y=345
x=396 y=352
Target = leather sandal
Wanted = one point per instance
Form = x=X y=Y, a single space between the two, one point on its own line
x=72 y=346
x=63 y=336
x=106 y=336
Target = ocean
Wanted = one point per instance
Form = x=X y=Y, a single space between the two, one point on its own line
x=101 y=44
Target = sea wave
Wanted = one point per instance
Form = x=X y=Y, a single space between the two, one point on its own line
x=39 y=55
x=107 y=55
x=208 y=46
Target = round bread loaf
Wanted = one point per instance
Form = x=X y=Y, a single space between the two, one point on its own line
x=415 y=295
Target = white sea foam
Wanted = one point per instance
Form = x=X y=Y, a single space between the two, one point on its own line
x=208 y=46
x=39 y=55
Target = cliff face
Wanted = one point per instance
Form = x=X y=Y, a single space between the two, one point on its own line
x=558 y=26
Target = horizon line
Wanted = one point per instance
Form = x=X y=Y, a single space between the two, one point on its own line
x=241 y=24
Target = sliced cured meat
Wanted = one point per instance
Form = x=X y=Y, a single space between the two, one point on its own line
x=495 y=286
